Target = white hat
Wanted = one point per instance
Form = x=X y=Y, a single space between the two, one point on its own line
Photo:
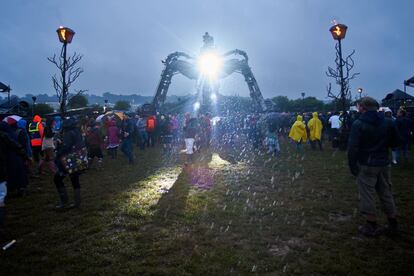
x=387 y=109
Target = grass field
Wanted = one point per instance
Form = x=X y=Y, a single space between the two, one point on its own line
x=230 y=213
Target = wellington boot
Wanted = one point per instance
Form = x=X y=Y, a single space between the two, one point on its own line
x=63 y=195
x=76 y=199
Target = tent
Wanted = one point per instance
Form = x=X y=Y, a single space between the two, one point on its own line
x=396 y=99
x=409 y=82
x=4 y=88
x=398 y=95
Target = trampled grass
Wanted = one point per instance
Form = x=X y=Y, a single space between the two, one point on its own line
x=229 y=213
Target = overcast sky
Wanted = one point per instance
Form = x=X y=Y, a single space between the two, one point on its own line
x=287 y=41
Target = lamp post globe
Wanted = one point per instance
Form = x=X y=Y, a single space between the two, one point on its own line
x=360 y=92
x=65 y=34
x=338 y=31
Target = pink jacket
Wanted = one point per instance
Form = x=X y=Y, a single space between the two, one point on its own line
x=113 y=132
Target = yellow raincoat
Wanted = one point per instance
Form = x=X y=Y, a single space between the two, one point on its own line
x=298 y=130
x=315 y=127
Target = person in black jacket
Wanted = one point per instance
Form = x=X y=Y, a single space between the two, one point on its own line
x=404 y=127
x=8 y=146
x=72 y=138
x=368 y=149
x=128 y=128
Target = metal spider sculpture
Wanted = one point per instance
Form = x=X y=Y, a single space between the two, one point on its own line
x=208 y=65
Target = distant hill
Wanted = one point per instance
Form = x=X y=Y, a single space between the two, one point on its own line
x=96 y=99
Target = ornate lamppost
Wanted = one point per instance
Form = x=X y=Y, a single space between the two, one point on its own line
x=303 y=101
x=65 y=36
x=338 y=32
x=33 y=106
x=105 y=105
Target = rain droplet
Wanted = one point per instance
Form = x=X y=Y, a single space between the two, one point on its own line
x=285 y=268
x=254 y=268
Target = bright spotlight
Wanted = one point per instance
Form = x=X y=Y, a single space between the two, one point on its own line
x=213 y=97
x=209 y=64
x=196 y=106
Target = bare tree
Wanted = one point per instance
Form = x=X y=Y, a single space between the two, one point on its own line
x=69 y=72
x=345 y=66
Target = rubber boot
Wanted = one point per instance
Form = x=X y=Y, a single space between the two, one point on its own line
x=2 y=216
x=63 y=195
x=76 y=199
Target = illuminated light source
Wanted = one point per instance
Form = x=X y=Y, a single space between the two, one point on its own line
x=65 y=34
x=213 y=97
x=197 y=105
x=360 y=92
x=338 y=31
x=209 y=64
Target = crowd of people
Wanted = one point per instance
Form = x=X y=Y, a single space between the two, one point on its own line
x=29 y=150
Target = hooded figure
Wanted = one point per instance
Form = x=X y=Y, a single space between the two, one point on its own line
x=72 y=137
x=17 y=169
x=36 y=131
x=315 y=127
x=22 y=125
x=9 y=149
x=298 y=130
x=36 y=136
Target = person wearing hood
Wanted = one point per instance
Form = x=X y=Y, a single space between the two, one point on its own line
x=21 y=124
x=405 y=127
x=151 y=126
x=72 y=138
x=8 y=147
x=388 y=115
x=315 y=131
x=112 y=138
x=36 y=136
x=48 y=149
x=19 y=169
x=298 y=132
x=368 y=149
x=128 y=128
